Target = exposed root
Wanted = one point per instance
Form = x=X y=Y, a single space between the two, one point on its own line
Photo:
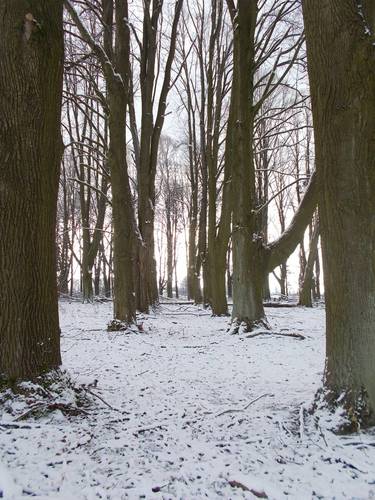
x=238 y=327
x=43 y=395
x=342 y=413
x=116 y=325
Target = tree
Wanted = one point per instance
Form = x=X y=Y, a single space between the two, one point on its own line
x=307 y=285
x=147 y=144
x=31 y=68
x=87 y=131
x=340 y=51
x=170 y=207
x=113 y=57
x=252 y=257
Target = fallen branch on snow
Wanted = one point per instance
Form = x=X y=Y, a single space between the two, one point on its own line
x=102 y=400
x=147 y=429
x=237 y=410
x=243 y=487
x=270 y=333
x=43 y=407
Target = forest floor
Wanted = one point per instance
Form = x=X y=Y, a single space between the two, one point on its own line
x=185 y=421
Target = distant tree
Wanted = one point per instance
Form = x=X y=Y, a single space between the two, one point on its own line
x=146 y=141
x=31 y=69
x=341 y=56
x=306 y=287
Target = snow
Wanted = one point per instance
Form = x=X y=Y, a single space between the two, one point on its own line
x=196 y=413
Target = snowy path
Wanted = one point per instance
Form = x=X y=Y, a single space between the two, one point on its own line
x=172 y=434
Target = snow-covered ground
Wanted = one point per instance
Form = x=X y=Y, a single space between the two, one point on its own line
x=186 y=422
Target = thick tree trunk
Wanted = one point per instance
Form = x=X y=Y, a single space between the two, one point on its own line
x=248 y=268
x=122 y=210
x=219 y=250
x=122 y=204
x=266 y=288
x=341 y=68
x=31 y=65
x=218 y=290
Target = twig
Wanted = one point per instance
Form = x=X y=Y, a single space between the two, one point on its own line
x=146 y=429
x=237 y=410
x=302 y=422
x=65 y=408
x=156 y=489
x=102 y=400
x=268 y=333
x=243 y=487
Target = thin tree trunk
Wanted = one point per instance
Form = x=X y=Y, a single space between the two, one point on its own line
x=308 y=278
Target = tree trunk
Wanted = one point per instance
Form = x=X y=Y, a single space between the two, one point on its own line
x=229 y=274
x=31 y=65
x=219 y=250
x=63 y=266
x=316 y=292
x=308 y=278
x=122 y=210
x=122 y=204
x=283 y=280
x=248 y=275
x=169 y=248
x=266 y=288
x=97 y=269
x=342 y=78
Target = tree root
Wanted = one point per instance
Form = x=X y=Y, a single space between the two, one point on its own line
x=117 y=325
x=41 y=408
x=342 y=412
x=49 y=392
x=240 y=327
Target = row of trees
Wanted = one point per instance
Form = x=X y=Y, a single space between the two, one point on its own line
x=237 y=70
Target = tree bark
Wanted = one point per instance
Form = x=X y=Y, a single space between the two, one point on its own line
x=248 y=266
x=31 y=65
x=122 y=204
x=341 y=69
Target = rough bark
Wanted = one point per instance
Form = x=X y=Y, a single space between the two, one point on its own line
x=31 y=65
x=122 y=204
x=342 y=79
x=248 y=275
